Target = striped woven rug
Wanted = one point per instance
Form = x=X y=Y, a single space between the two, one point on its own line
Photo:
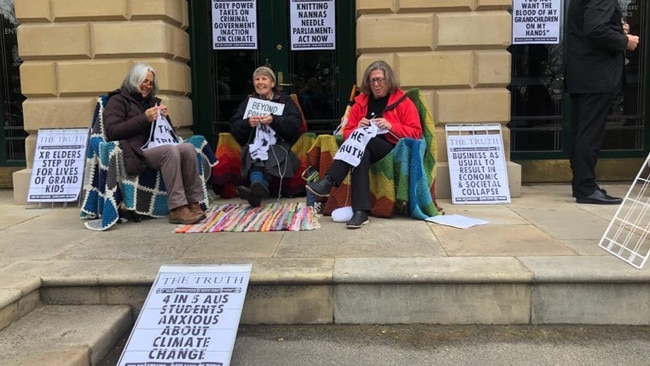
x=295 y=216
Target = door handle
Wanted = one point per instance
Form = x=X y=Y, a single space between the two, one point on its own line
x=281 y=79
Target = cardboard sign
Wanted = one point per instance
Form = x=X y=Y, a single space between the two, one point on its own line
x=313 y=25
x=477 y=165
x=190 y=317
x=536 y=21
x=260 y=107
x=234 y=25
x=57 y=172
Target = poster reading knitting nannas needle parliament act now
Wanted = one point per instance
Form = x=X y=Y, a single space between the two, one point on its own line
x=189 y=318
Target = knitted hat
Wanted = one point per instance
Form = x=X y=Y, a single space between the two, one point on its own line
x=263 y=70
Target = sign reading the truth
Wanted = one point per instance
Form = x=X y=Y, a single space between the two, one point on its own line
x=190 y=317
x=477 y=169
x=57 y=172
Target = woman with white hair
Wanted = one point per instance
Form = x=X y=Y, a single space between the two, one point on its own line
x=128 y=116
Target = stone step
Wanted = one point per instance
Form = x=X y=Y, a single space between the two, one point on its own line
x=64 y=335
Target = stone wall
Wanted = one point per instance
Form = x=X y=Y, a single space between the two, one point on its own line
x=455 y=51
x=74 y=50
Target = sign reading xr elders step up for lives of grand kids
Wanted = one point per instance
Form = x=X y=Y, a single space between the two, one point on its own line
x=190 y=317
x=477 y=166
x=57 y=172
x=536 y=21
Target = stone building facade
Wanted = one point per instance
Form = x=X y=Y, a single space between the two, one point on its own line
x=455 y=51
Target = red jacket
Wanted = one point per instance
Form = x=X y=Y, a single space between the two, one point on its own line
x=403 y=117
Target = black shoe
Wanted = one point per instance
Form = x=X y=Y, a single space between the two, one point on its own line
x=247 y=194
x=322 y=187
x=359 y=218
x=259 y=189
x=599 y=197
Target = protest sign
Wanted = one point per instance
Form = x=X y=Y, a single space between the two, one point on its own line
x=58 y=168
x=313 y=25
x=234 y=25
x=260 y=107
x=190 y=317
x=477 y=168
x=536 y=21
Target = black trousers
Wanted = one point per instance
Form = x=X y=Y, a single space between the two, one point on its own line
x=588 y=119
x=377 y=148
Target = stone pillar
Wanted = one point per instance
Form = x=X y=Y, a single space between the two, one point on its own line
x=74 y=50
x=455 y=51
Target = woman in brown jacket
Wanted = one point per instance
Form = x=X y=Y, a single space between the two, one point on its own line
x=128 y=116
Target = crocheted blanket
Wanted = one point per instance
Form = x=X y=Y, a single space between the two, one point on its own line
x=226 y=174
x=107 y=186
x=401 y=182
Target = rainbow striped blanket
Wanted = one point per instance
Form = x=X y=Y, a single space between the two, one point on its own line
x=277 y=216
x=401 y=182
x=226 y=175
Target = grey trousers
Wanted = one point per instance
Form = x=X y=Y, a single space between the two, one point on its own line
x=179 y=167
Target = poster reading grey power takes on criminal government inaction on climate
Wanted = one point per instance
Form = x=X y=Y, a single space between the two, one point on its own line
x=189 y=318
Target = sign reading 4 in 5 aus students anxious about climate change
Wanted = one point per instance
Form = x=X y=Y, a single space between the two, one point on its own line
x=190 y=317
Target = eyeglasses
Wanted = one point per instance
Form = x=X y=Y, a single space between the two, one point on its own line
x=377 y=81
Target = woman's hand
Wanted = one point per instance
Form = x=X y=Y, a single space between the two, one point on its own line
x=151 y=114
x=260 y=120
x=380 y=122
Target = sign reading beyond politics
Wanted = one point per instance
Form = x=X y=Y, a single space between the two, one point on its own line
x=57 y=172
x=536 y=21
x=313 y=25
x=260 y=107
x=234 y=25
x=190 y=317
x=477 y=169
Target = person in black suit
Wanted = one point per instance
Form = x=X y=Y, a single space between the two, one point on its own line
x=596 y=44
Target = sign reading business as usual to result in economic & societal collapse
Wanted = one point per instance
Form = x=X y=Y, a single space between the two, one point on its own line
x=190 y=317
x=477 y=166
x=234 y=25
x=58 y=169
x=313 y=25
x=536 y=21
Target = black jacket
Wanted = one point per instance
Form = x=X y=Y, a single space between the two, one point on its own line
x=287 y=126
x=595 y=47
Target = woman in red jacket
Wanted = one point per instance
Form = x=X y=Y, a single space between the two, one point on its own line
x=383 y=104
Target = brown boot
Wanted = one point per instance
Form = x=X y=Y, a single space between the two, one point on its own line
x=196 y=208
x=183 y=215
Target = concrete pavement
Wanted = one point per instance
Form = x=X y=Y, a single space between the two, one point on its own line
x=537 y=261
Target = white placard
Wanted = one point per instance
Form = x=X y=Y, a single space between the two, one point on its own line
x=58 y=168
x=234 y=25
x=477 y=165
x=190 y=317
x=536 y=21
x=313 y=25
x=260 y=107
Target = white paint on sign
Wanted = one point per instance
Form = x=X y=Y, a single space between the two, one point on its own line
x=190 y=317
x=477 y=169
x=234 y=25
x=58 y=168
x=536 y=21
x=313 y=25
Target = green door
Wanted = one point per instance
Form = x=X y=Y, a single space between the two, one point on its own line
x=540 y=114
x=221 y=79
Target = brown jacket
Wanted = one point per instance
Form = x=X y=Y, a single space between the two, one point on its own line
x=125 y=121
